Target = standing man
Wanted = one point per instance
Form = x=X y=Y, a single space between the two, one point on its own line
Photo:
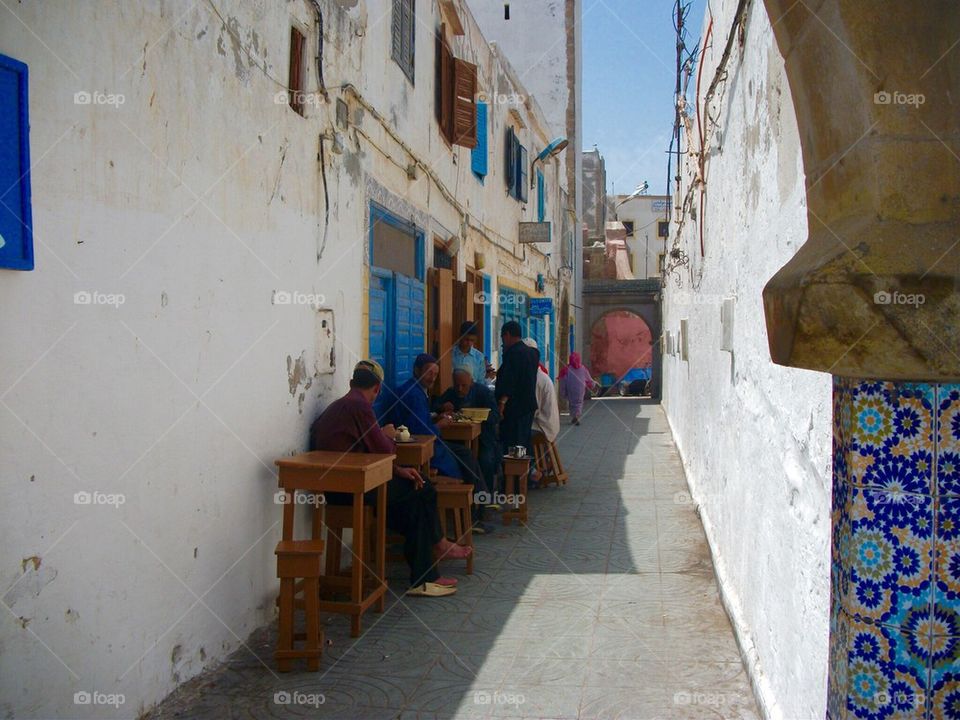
x=465 y=353
x=516 y=389
x=349 y=425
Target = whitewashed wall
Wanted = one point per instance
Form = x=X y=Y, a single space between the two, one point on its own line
x=754 y=436
x=197 y=199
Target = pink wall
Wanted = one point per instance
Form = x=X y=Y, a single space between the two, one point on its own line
x=620 y=341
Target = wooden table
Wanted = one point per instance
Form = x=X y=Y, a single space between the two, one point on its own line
x=417 y=453
x=466 y=432
x=354 y=473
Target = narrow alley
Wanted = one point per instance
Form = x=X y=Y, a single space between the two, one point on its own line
x=605 y=606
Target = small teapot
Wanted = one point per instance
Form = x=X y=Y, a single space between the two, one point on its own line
x=403 y=433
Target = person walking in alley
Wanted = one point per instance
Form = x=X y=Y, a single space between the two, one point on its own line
x=575 y=380
x=349 y=425
x=516 y=389
x=465 y=353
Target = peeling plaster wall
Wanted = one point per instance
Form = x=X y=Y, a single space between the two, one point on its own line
x=754 y=436
x=137 y=521
x=137 y=439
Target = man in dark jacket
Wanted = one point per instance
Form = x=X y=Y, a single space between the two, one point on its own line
x=516 y=389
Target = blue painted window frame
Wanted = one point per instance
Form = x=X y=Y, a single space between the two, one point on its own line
x=17 y=117
x=478 y=155
x=379 y=214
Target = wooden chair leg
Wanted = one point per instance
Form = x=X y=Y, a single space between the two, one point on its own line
x=285 y=639
x=314 y=640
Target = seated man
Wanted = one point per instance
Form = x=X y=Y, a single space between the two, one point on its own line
x=546 y=419
x=467 y=393
x=409 y=405
x=349 y=425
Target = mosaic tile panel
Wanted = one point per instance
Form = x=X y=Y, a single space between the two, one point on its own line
x=895 y=555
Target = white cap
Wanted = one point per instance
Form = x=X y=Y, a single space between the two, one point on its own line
x=530 y=342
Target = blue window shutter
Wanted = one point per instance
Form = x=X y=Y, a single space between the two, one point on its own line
x=541 y=199
x=511 y=162
x=379 y=320
x=478 y=156
x=16 y=225
x=523 y=174
x=408 y=325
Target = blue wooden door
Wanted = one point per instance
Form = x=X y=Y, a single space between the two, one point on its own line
x=380 y=317
x=408 y=325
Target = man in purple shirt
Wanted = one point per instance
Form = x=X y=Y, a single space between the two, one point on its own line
x=349 y=425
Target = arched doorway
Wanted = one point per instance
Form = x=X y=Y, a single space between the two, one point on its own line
x=620 y=341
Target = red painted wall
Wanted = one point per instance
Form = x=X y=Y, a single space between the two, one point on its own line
x=621 y=340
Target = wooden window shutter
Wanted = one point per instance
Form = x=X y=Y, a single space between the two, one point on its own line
x=402 y=35
x=396 y=31
x=464 y=103
x=523 y=176
x=295 y=75
x=447 y=66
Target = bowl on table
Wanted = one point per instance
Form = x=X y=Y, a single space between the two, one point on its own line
x=476 y=414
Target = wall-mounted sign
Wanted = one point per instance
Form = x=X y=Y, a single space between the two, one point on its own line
x=534 y=232
x=540 y=306
x=660 y=205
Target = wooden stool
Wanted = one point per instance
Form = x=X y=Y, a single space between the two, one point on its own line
x=299 y=560
x=336 y=519
x=516 y=471
x=456 y=497
x=547 y=460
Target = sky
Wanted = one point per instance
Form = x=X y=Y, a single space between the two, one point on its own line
x=629 y=77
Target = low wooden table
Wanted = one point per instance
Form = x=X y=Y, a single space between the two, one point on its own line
x=417 y=453
x=516 y=471
x=354 y=473
x=466 y=432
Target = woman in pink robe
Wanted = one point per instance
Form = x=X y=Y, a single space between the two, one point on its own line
x=575 y=379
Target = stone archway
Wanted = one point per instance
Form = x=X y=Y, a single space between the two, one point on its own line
x=620 y=340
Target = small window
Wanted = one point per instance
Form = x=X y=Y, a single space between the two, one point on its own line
x=16 y=226
x=628 y=225
x=403 y=32
x=517 y=171
x=663 y=228
x=478 y=156
x=442 y=260
x=506 y=11
x=295 y=75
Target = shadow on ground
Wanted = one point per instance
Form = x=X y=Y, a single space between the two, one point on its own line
x=605 y=606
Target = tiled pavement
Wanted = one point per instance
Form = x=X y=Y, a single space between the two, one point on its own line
x=606 y=606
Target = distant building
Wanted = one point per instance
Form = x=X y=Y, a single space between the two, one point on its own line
x=594 y=197
x=645 y=219
x=542 y=40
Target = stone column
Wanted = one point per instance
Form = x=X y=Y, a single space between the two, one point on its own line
x=873 y=297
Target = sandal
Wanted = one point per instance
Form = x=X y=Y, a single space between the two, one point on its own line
x=455 y=552
x=431 y=590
